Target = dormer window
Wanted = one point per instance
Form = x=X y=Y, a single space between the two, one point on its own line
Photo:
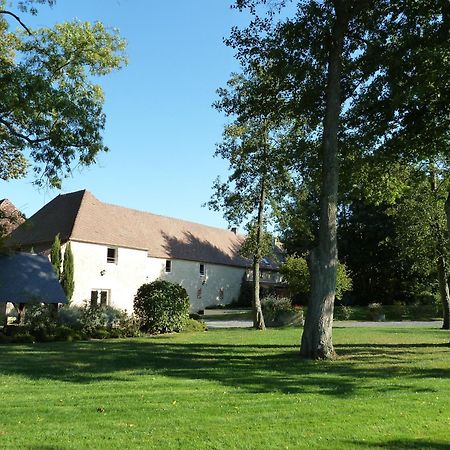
x=111 y=255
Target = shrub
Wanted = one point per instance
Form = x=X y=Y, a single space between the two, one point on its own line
x=41 y=321
x=375 y=311
x=23 y=338
x=194 y=325
x=71 y=316
x=161 y=307
x=279 y=311
x=343 y=312
x=397 y=311
x=245 y=293
x=94 y=318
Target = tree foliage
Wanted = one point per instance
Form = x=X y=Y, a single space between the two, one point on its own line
x=67 y=275
x=295 y=272
x=55 y=256
x=51 y=110
x=353 y=75
x=162 y=307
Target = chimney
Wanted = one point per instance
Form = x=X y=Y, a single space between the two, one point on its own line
x=234 y=230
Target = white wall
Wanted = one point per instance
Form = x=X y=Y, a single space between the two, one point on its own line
x=218 y=277
x=122 y=279
x=135 y=268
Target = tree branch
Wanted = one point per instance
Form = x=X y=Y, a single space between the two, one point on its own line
x=20 y=135
x=18 y=20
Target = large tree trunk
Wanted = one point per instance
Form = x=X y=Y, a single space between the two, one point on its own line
x=317 y=335
x=258 y=318
x=444 y=291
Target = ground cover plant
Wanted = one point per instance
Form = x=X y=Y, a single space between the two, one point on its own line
x=239 y=389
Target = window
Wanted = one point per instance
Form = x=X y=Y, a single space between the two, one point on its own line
x=199 y=293
x=202 y=269
x=111 y=255
x=100 y=297
x=168 y=266
x=221 y=293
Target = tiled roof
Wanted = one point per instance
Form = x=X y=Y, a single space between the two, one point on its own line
x=57 y=216
x=26 y=278
x=79 y=216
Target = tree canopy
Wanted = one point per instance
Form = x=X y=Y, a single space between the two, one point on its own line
x=51 y=109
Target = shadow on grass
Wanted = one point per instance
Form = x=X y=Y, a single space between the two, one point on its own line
x=404 y=444
x=252 y=368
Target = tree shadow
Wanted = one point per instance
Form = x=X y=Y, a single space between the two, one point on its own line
x=210 y=249
x=404 y=444
x=251 y=368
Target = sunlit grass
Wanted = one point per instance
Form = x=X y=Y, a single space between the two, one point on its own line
x=224 y=389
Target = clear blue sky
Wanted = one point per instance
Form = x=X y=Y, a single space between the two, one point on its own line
x=161 y=128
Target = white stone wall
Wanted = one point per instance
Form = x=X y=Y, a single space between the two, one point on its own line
x=135 y=268
x=92 y=271
x=208 y=287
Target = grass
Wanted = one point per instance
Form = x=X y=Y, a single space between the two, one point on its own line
x=229 y=389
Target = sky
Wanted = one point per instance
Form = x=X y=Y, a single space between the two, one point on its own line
x=161 y=128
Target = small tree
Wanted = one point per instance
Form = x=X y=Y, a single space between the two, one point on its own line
x=67 y=276
x=295 y=271
x=162 y=307
x=55 y=256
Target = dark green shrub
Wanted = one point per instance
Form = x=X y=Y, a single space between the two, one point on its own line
x=245 y=293
x=195 y=325
x=23 y=338
x=162 y=307
x=41 y=321
x=100 y=333
x=65 y=333
x=4 y=339
x=396 y=311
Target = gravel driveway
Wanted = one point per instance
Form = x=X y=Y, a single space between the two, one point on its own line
x=217 y=324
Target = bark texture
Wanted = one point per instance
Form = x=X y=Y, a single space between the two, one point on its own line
x=317 y=340
x=258 y=318
x=444 y=291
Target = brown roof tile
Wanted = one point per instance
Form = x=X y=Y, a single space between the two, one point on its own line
x=55 y=217
x=80 y=216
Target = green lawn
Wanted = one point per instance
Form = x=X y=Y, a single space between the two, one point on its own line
x=226 y=389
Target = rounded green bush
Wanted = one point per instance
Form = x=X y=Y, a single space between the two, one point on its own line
x=162 y=307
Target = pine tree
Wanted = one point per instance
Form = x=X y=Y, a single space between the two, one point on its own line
x=55 y=256
x=67 y=280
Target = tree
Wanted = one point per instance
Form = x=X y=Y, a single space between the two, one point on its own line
x=341 y=68
x=258 y=169
x=67 y=276
x=296 y=274
x=421 y=218
x=55 y=256
x=51 y=114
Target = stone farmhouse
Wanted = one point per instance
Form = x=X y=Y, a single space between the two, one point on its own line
x=118 y=249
